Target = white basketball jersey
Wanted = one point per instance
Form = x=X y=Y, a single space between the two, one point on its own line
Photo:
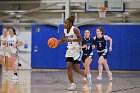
x=71 y=35
x=12 y=41
x=3 y=41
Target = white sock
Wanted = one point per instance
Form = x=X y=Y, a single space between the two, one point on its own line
x=72 y=83
x=89 y=75
x=100 y=73
x=108 y=72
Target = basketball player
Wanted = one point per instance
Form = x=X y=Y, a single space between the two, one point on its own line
x=3 y=51
x=87 y=46
x=100 y=40
x=74 y=51
x=12 y=44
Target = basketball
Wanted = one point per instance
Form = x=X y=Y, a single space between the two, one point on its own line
x=52 y=42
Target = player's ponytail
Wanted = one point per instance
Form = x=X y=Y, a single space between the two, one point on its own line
x=71 y=19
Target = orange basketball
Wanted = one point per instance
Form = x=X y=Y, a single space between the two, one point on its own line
x=52 y=42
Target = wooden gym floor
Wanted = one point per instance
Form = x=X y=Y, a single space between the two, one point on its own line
x=55 y=81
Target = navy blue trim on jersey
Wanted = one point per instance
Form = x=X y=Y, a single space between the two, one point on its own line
x=88 y=43
x=103 y=53
x=100 y=43
x=101 y=46
x=88 y=51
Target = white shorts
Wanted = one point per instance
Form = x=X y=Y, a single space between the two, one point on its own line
x=76 y=53
x=12 y=52
x=3 y=52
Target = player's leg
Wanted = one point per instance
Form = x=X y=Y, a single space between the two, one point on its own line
x=6 y=66
x=78 y=70
x=1 y=60
x=69 y=72
x=87 y=65
x=107 y=69
x=12 y=62
x=100 y=67
x=87 y=68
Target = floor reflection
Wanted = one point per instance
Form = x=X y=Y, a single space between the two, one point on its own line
x=57 y=82
x=100 y=87
x=23 y=85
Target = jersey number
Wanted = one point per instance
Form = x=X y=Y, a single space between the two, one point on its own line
x=88 y=47
x=100 y=45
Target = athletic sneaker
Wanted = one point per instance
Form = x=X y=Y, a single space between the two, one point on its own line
x=110 y=76
x=99 y=77
x=15 y=77
x=72 y=87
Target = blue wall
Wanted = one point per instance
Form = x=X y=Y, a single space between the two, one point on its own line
x=123 y=57
x=125 y=46
x=0 y=34
x=47 y=57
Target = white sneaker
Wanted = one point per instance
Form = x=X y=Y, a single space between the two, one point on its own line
x=15 y=77
x=110 y=76
x=72 y=87
x=99 y=77
x=89 y=80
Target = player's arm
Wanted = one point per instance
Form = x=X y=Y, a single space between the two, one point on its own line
x=62 y=40
x=78 y=39
x=110 y=41
x=93 y=42
x=19 y=42
x=83 y=45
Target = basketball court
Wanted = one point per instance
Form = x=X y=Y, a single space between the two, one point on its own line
x=43 y=69
x=56 y=82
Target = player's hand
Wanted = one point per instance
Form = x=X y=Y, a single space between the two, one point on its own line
x=14 y=45
x=93 y=46
x=110 y=49
x=64 y=39
x=69 y=40
x=84 y=46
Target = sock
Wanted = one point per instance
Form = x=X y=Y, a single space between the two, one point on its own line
x=100 y=73
x=108 y=72
x=89 y=75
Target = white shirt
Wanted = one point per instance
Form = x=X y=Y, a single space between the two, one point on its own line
x=11 y=41
x=71 y=35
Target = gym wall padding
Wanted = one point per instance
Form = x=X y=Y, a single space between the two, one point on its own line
x=125 y=54
x=1 y=34
x=46 y=57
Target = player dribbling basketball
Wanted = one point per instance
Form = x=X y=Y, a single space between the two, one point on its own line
x=74 y=52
